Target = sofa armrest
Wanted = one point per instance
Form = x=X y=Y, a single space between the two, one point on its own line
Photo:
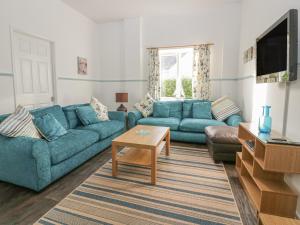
x=234 y=120
x=25 y=162
x=133 y=117
x=117 y=115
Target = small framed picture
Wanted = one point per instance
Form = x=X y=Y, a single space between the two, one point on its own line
x=82 y=66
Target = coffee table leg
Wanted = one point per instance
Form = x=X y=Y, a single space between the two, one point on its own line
x=168 y=143
x=153 y=166
x=114 y=160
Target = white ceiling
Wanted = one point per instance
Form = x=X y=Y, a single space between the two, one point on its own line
x=111 y=10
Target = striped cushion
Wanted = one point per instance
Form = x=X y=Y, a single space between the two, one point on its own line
x=19 y=124
x=224 y=108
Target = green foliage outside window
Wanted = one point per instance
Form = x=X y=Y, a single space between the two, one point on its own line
x=187 y=87
x=169 y=87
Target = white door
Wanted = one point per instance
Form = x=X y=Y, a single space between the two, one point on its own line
x=33 y=71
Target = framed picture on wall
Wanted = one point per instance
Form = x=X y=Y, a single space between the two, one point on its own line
x=82 y=66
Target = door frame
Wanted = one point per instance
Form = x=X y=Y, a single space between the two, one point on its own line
x=14 y=30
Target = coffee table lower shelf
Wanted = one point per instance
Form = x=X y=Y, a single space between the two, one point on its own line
x=139 y=157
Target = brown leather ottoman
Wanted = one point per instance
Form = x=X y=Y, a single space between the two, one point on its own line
x=223 y=142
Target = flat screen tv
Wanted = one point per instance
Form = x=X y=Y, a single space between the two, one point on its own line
x=277 y=50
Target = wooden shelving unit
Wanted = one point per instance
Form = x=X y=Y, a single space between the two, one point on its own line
x=261 y=172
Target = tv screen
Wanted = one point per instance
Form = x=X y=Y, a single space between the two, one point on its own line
x=276 y=50
x=272 y=51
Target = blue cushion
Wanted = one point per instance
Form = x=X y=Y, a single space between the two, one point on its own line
x=161 y=110
x=55 y=110
x=234 y=120
x=49 y=127
x=70 y=144
x=3 y=117
x=71 y=115
x=175 y=108
x=202 y=110
x=188 y=108
x=171 y=122
x=105 y=128
x=87 y=115
x=198 y=125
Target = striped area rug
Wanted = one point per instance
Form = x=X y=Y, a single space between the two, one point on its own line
x=191 y=189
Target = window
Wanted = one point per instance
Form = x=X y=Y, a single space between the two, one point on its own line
x=176 y=70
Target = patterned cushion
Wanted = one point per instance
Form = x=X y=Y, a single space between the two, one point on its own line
x=100 y=109
x=224 y=108
x=19 y=124
x=146 y=105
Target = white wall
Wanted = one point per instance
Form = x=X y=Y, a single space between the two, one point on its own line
x=257 y=16
x=120 y=61
x=130 y=38
x=73 y=35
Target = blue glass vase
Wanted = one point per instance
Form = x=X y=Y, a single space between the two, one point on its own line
x=265 y=121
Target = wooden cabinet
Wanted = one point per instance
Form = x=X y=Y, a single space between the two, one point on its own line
x=261 y=169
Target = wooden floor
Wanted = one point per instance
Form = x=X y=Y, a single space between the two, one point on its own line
x=22 y=206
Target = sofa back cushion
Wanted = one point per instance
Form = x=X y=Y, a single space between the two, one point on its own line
x=175 y=108
x=161 y=110
x=72 y=118
x=87 y=115
x=202 y=110
x=188 y=107
x=49 y=127
x=55 y=110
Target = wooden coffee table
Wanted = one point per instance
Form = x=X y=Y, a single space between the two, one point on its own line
x=141 y=146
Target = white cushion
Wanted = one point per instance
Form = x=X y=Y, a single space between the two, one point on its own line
x=19 y=124
x=100 y=109
x=223 y=108
x=146 y=105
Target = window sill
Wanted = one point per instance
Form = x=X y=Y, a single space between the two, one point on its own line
x=173 y=99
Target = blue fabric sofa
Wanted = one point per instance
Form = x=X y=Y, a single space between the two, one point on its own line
x=183 y=127
x=36 y=163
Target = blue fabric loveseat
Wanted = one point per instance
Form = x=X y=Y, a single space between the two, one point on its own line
x=181 y=122
x=36 y=163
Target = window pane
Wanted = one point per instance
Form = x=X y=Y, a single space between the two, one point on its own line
x=168 y=75
x=186 y=64
x=169 y=66
x=176 y=68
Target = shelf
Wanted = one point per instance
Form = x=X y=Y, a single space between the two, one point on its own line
x=273 y=186
x=243 y=142
x=266 y=219
x=140 y=157
x=252 y=190
x=260 y=162
x=238 y=162
x=249 y=166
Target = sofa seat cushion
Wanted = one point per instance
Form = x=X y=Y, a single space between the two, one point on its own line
x=70 y=144
x=105 y=128
x=198 y=125
x=171 y=122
